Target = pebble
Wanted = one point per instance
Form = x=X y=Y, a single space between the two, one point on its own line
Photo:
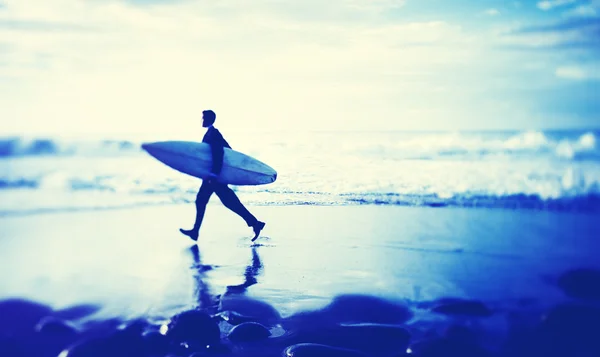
x=248 y=331
x=461 y=307
x=318 y=350
x=581 y=284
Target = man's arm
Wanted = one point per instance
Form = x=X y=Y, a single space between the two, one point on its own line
x=216 y=147
x=217 y=158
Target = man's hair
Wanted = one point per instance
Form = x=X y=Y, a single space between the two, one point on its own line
x=209 y=115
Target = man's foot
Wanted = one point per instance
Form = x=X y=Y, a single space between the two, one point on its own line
x=191 y=233
x=257 y=227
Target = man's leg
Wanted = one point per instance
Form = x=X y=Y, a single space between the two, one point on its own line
x=231 y=201
x=202 y=198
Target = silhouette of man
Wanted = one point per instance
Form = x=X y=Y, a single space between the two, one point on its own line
x=211 y=185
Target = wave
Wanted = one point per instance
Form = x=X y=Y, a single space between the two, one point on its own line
x=539 y=170
x=560 y=186
x=563 y=145
x=587 y=204
x=74 y=209
x=80 y=201
x=22 y=147
x=568 y=184
x=584 y=203
x=18 y=183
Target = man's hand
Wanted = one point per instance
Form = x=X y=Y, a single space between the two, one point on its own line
x=212 y=177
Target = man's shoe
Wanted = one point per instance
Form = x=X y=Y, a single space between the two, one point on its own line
x=257 y=227
x=191 y=233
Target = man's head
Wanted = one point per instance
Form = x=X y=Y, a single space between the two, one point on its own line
x=208 y=118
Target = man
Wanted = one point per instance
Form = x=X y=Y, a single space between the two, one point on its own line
x=209 y=185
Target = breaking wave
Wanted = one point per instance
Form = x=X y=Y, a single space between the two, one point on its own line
x=401 y=145
x=539 y=170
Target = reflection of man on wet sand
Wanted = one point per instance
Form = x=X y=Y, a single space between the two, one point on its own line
x=203 y=294
x=250 y=274
x=233 y=305
x=204 y=297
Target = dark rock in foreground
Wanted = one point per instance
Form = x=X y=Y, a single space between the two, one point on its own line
x=251 y=309
x=351 y=309
x=462 y=307
x=368 y=309
x=350 y=326
x=194 y=327
x=447 y=347
x=317 y=350
x=248 y=331
x=371 y=339
x=76 y=312
x=21 y=316
x=581 y=284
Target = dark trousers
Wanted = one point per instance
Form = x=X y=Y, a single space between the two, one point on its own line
x=227 y=196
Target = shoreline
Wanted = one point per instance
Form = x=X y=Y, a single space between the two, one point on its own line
x=557 y=208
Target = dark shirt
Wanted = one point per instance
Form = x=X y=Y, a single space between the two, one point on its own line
x=216 y=141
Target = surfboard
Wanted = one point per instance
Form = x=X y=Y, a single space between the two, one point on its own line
x=195 y=159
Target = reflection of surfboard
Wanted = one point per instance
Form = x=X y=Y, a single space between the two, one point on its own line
x=195 y=159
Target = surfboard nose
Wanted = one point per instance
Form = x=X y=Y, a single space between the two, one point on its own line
x=150 y=147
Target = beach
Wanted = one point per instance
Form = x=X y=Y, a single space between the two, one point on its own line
x=133 y=263
x=429 y=176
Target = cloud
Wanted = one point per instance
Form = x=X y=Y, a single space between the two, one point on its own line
x=492 y=12
x=577 y=33
x=113 y=66
x=569 y=24
x=578 y=72
x=570 y=73
x=42 y=26
x=259 y=61
x=551 y=4
x=234 y=26
x=153 y=2
x=583 y=11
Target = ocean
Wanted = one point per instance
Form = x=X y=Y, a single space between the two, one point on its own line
x=547 y=170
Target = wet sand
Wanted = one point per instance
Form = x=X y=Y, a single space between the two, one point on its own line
x=134 y=263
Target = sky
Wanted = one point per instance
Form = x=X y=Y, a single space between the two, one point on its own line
x=149 y=67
